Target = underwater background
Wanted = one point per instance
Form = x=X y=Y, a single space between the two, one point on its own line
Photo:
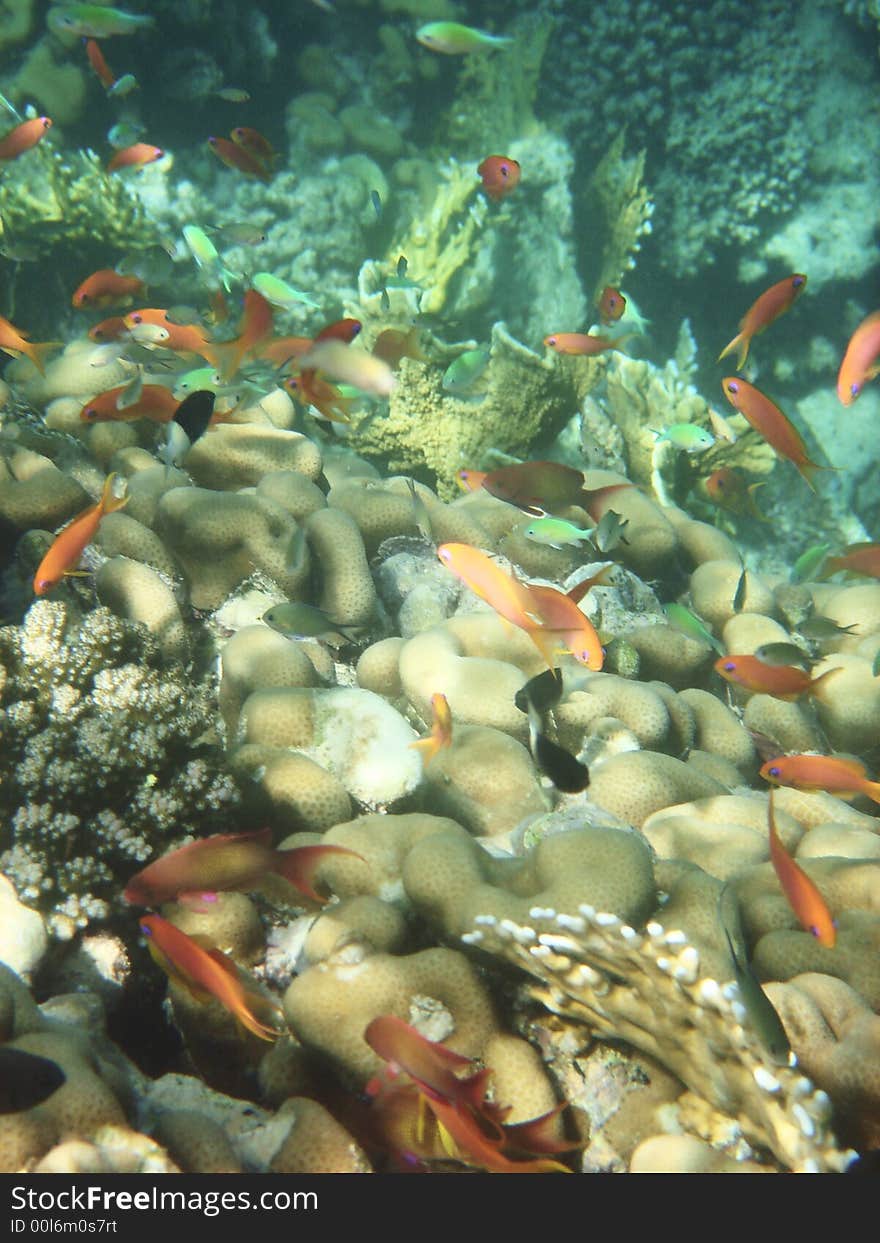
x=438 y=494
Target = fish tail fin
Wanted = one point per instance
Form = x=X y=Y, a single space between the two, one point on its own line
x=298 y=866
x=547 y=643
x=109 y=501
x=741 y=343
x=807 y=470
x=823 y=678
x=427 y=748
x=872 y=789
x=38 y=352
x=757 y=512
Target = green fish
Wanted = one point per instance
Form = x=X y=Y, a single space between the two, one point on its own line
x=196 y=379
x=778 y=654
x=94 y=21
x=233 y=94
x=739 y=596
x=556 y=533
x=686 y=436
x=302 y=621
x=465 y=371
x=809 y=562
x=125 y=134
x=241 y=233
x=685 y=621
x=453 y=39
x=206 y=256
x=123 y=86
x=376 y=200
x=820 y=628
x=762 y=1015
x=875 y=668
x=152 y=265
x=279 y=293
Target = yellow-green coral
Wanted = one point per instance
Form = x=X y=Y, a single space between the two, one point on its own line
x=526 y=397
x=66 y=199
x=619 y=198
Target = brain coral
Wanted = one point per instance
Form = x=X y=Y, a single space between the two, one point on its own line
x=102 y=762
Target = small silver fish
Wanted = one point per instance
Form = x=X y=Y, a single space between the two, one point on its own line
x=609 y=531
x=420 y=513
x=132 y=391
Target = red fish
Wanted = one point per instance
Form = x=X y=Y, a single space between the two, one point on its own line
x=283 y=350
x=781 y=681
x=254 y=142
x=769 y=421
x=136 y=156
x=111 y=329
x=239 y=158
x=205 y=973
x=772 y=303
x=196 y=873
x=102 y=70
x=71 y=541
x=470 y=480
x=856 y=559
x=860 y=364
x=611 y=304
x=730 y=490
x=344 y=330
x=14 y=341
x=803 y=897
x=500 y=175
x=469 y=1126
x=155 y=402
x=585 y=344
x=539 y=487
x=821 y=772
x=23 y=137
x=107 y=288
x=441 y=730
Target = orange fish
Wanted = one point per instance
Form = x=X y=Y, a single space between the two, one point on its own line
x=781 y=681
x=195 y=874
x=730 y=490
x=254 y=142
x=204 y=972
x=102 y=70
x=821 y=772
x=856 y=559
x=340 y=330
x=431 y=1064
x=585 y=344
x=70 y=542
x=441 y=730
x=255 y=326
x=803 y=897
x=611 y=304
x=23 y=137
x=185 y=338
x=107 y=288
x=234 y=156
x=772 y=303
x=14 y=341
x=470 y=480
x=135 y=156
x=860 y=360
x=500 y=175
x=560 y=615
x=155 y=402
x=310 y=389
x=769 y=421
x=392 y=345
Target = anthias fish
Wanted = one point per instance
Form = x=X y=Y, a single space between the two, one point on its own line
x=833 y=774
x=772 y=303
x=70 y=543
x=803 y=896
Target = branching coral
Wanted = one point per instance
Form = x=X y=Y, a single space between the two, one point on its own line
x=101 y=760
x=618 y=195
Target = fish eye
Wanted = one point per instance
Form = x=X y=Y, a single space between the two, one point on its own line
x=733 y=387
x=729 y=666
x=148 y=932
x=814 y=930
x=775 y=771
x=854 y=389
x=551 y=340
x=798 y=280
x=137 y=319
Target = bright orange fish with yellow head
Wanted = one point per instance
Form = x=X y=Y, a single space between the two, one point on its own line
x=772 y=303
x=803 y=897
x=70 y=543
x=205 y=973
